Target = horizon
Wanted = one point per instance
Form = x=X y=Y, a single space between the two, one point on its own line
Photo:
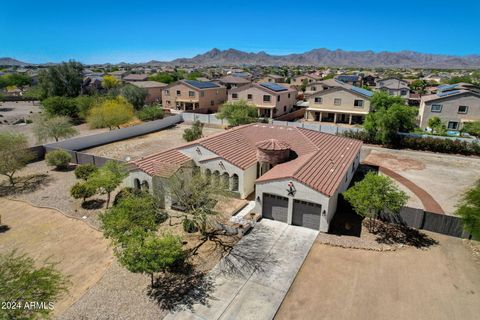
x=111 y=32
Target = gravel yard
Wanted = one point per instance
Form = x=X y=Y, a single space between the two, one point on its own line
x=147 y=144
x=444 y=177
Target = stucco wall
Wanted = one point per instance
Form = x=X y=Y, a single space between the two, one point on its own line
x=347 y=103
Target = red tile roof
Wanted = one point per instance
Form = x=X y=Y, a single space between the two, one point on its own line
x=321 y=163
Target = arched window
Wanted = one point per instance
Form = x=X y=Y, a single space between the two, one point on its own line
x=208 y=173
x=225 y=181
x=145 y=185
x=235 y=182
x=216 y=177
x=136 y=184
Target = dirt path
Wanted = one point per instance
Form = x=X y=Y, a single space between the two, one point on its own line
x=81 y=252
x=442 y=282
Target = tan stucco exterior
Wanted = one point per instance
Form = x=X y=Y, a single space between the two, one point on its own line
x=183 y=97
x=450 y=109
x=298 y=80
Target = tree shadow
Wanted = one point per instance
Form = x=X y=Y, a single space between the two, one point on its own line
x=182 y=289
x=4 y=228
x=93 y=204
x=25 y=184
x=400 y=234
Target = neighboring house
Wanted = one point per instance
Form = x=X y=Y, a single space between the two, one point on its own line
x=323 y=85
x=241 y=74
x=136 y=77
x=154 y=90
x=295 y=173
x=119 y=74
x=342 y=104
x=353 y=80
x=453 y=107
x=271 y=99
x=274 y=78
x=232 y=82
x=369 y=80
x=189 y=95
x=92 y=84
x=394 y=87
x=305 y=78
x=435 y=78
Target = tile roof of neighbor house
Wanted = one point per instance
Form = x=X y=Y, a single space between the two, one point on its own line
x=149 y=84
x=233 y=79
x=136 y=77
x=321 y=163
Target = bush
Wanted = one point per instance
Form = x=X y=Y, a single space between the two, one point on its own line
x=193 y=133
x=83 y=190
x=150 y=113
x=84 y=171
x=189 y=226
x=58 y=158
x=60 y=106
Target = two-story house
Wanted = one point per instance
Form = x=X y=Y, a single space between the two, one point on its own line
x=271 y=99
x=273 y=78
x=305 y=79
x=189 y=95
x=341 y=104
x=454 y=106
x=354 y=80
x=232 y=82
x=394 y=87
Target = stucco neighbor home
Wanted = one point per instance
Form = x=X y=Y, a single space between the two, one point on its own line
x=295 y=174
x=189 y=95
x=271 y=99
x=274 y=78
x=305 y=78
x=154 y=90
x=343 y=104
x=394 y=87
x=453 y=104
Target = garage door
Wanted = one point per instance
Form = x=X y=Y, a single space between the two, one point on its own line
x=306 y=214
x=275 y=207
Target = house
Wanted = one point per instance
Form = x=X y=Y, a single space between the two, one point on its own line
x=305 y=78
x=154 y=90
x=136 y=77
x=353 y=80
x=453 y=104
x=271 y=99
x=92 y=84
x=341 y=104
x=369 y=80
x=119 y=74
x=296 y=174
x=274 y=78
x=232 y=82
x=323 y=85
x=394 y=87
x=189 y=95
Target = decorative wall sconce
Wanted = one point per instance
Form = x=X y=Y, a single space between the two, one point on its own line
x=324 y=213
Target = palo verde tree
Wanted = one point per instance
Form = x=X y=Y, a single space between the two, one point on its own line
x=110 y=113
x=13 y=154
x=373 y=195
x=238 y=112
x=469 y=210
x=110 y=82
x=134 y=95
x=24 y=281
x=56 y=127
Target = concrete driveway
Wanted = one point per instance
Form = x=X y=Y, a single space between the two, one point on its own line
x=441 y=282
x=251 y=282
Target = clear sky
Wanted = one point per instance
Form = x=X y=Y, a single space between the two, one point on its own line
x=137 y=31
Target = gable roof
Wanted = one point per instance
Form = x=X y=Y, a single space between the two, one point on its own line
x=448 y=94
x=233 y=79
x=149 y=84
x=197 y=85
x=136 y=77
x=364 y=93
x=264 y=88
x=321 y=162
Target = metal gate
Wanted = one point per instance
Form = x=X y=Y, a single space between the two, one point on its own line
x=306 y=214
x=275 y=207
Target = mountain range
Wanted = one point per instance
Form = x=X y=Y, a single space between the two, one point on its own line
x=320 y=57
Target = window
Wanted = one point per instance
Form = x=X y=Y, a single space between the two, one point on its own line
x=403 y=92
x=178 y=92
x=167 y=92
x=191 y=93
x=234 y=95
x=289 y=95
x=202 y=93
x=452 y=125
x=249 y=97
x=266 y=98
x=314 y=88
x=462 y=109
x=358 y=103
x=284 y=108
x=168 y=102
x=318 y=100
x=212 y=103
x=337 y=101
x=436 y=108
x=278 y=98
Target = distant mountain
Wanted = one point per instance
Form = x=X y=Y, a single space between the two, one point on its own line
x=11 y=62
x=337 y=58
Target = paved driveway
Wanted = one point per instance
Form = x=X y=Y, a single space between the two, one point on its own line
x=442 y=282
x=252 y=281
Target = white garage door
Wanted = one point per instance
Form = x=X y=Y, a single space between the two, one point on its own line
x=306 y=214
x=275 y=207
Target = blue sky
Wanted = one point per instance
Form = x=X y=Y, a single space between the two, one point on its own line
x=136 y=31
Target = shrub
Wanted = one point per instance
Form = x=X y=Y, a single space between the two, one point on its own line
x=193 y=133
x=58 y=158
x=150 y=113
x=60 y=106
x=189 y=226
x=84 y=171
x=83 y=190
